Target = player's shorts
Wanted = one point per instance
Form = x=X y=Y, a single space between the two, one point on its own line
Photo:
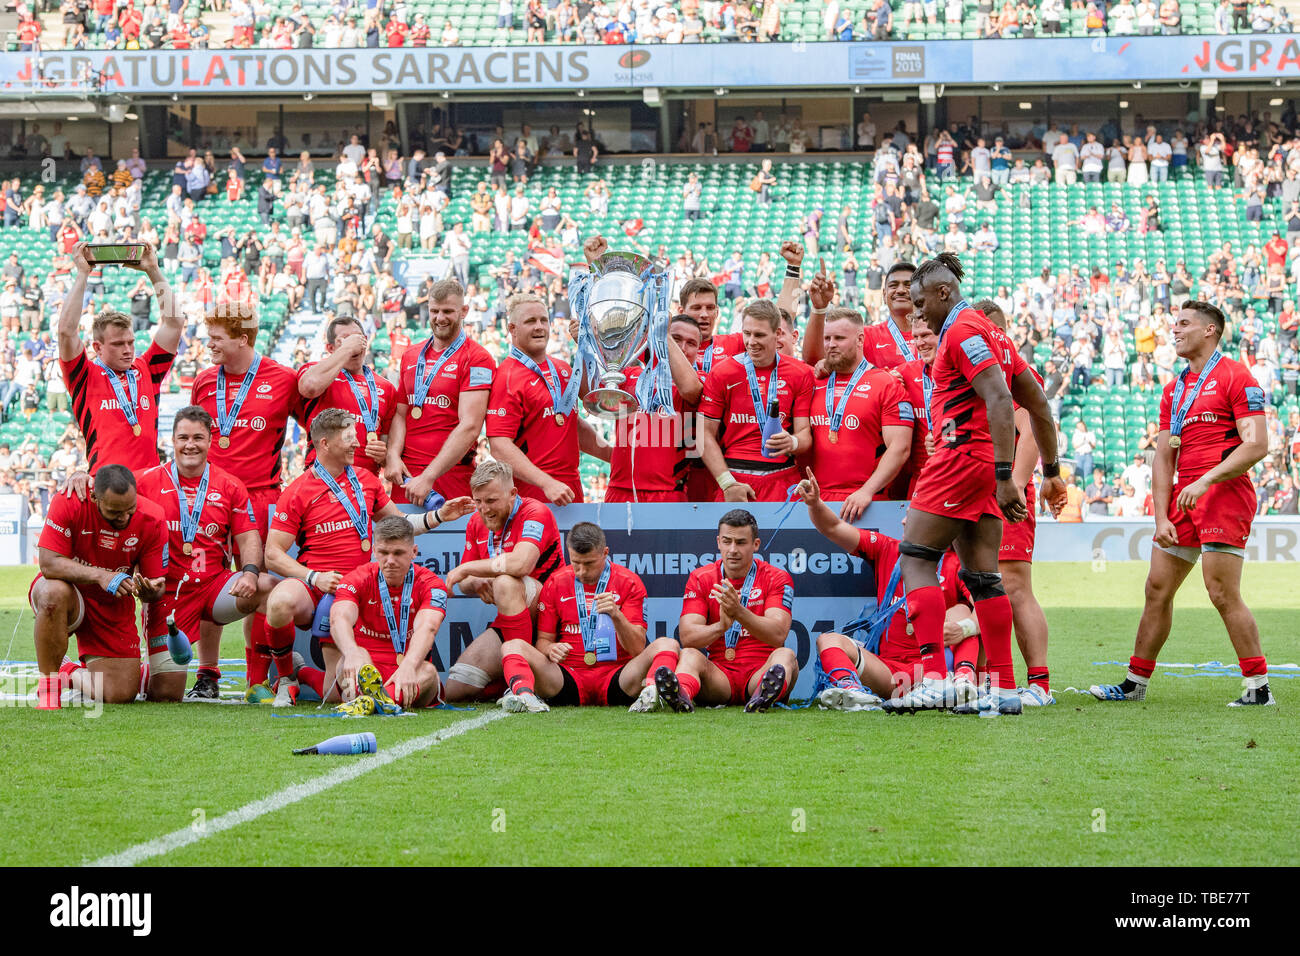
x=592 y=686
x=1018 y=536
x=99 y=633
x=264 y=500
x=954 y=485
x=768 y=486
x=624 y=495
x=1222 y=517
x=211 y=602
x=700 y=485
x=740 y=672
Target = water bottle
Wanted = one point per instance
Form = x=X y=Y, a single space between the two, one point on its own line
x=772 y=427
x=606 y=635
x=178 y=644
x=320 y=622
x=432 y=501
x=345 y=744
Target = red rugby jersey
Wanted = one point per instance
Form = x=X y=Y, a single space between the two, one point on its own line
x=226 y=512
x=878 y=401
x=557 y=608
x=260 y=426
x=360 y=586
x=520 y=409
x=727 y=399
x=772 y=587
x=1209 y=434
x=340 y=395
x=880 y=348
x=470 y=369
x=109 y=439
x=531 y=521
x=317 y=521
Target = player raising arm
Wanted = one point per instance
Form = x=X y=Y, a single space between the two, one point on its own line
x=383 y=622
x=114 y=395
x=735 y=620
x=96 y=557
x=1211 y=434
x=512 y=547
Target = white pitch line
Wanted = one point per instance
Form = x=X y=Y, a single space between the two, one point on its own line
x=290 y=795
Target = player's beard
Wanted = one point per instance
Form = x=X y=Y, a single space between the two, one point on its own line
x=843 y=364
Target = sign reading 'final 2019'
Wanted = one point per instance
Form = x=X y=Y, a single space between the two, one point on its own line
x=683 y=66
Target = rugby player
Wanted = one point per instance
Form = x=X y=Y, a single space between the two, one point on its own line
x=577 y=661
x=1016 y=556
x=96 y=557
x=859 y=678
x=533 y=423
x=1211 y=434
x=912 y=374
x=114 y=394
x=862 y=420
x=250 y=398
x=383 y=622
x=698 y=298
x=343 y=380
x=886 y=344
x=512 y=547
x=442 y=400
x=966 y=489
x=328 y=511
x=736 y=616
x=738 y=395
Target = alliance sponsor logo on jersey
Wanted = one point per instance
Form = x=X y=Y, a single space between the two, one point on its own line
x=851 y=421
x=330 y=527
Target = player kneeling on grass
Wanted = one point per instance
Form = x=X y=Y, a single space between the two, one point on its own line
x=512 y=547
x=327 y=511
x=591 y=648
x=96 y=557
x=889 y=662
x=1211 y=434
x=735 y=620
x=383 y=622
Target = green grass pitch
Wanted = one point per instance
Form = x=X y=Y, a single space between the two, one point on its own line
x=1178 y=780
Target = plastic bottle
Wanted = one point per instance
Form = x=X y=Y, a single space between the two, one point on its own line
x=178 y=644
x=345 y=744
x=772 y=427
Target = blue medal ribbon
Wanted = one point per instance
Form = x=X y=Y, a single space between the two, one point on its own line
x=561 y=402
x=587 y=620
x=190 y=519
x=128 y=407
x=952 y=317
x=1180 y=408
x=357 y=515
x=492 y=545
x=927 y=388
x=887 y=606
x=706 y=357
x=732 y=636
x=226 y=421
x=369 y=410
x=773 y=387
x=396 y=627
x=834 y=411
x=423 y=381
x=904 y=347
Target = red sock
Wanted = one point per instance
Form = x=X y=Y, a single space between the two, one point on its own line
x=666 y=659
x=964 y=655
x=690 y=685
x=68 y=668
x=281 y=641
x=995 y=628
x=47 y=691
x=1141 y=666
x=493 y=690
x=257 y=654
x=514 y=627
x=836 y=663
x=519 y=676
x=1253 y=666
x=213 y=672
x=1037 y=677
x=313 y=678
x=925 y=611
x=144 y=677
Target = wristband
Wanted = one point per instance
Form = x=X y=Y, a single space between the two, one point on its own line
x=116 y=582
x=437 y=514
x=725 y=480
x=819 y=311
x=793 y=272
x=1002 y=470
x=1053 y=470
x=251 y=569
x=794 y=438
x=968 y=627
x=311 y=579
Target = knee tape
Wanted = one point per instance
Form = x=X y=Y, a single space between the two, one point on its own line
x=982 y=584
x=933 y=555
x=160 y=662
x=468 y=674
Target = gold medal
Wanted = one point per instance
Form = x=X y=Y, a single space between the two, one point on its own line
x=589 y=658
x=834 y=437
x=187 y=548
x=400 y=657
x=1175 y=441
x=365 y=544
x=224 y=441
x=910 y=629
x=730 y=654
x=559 y=418
x=135 y=429
x=372 y=436
x=417 y=412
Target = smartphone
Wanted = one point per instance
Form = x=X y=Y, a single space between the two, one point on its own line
x=115 y=253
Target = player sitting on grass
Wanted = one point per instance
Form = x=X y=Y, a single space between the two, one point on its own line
x=735 y=620
x=591 y=648
x=860 y=678
x=96 y=557
x=328 y=511
x=383 y=622
x=512 y=547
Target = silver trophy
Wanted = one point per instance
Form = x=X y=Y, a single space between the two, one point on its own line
x=618 y=312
